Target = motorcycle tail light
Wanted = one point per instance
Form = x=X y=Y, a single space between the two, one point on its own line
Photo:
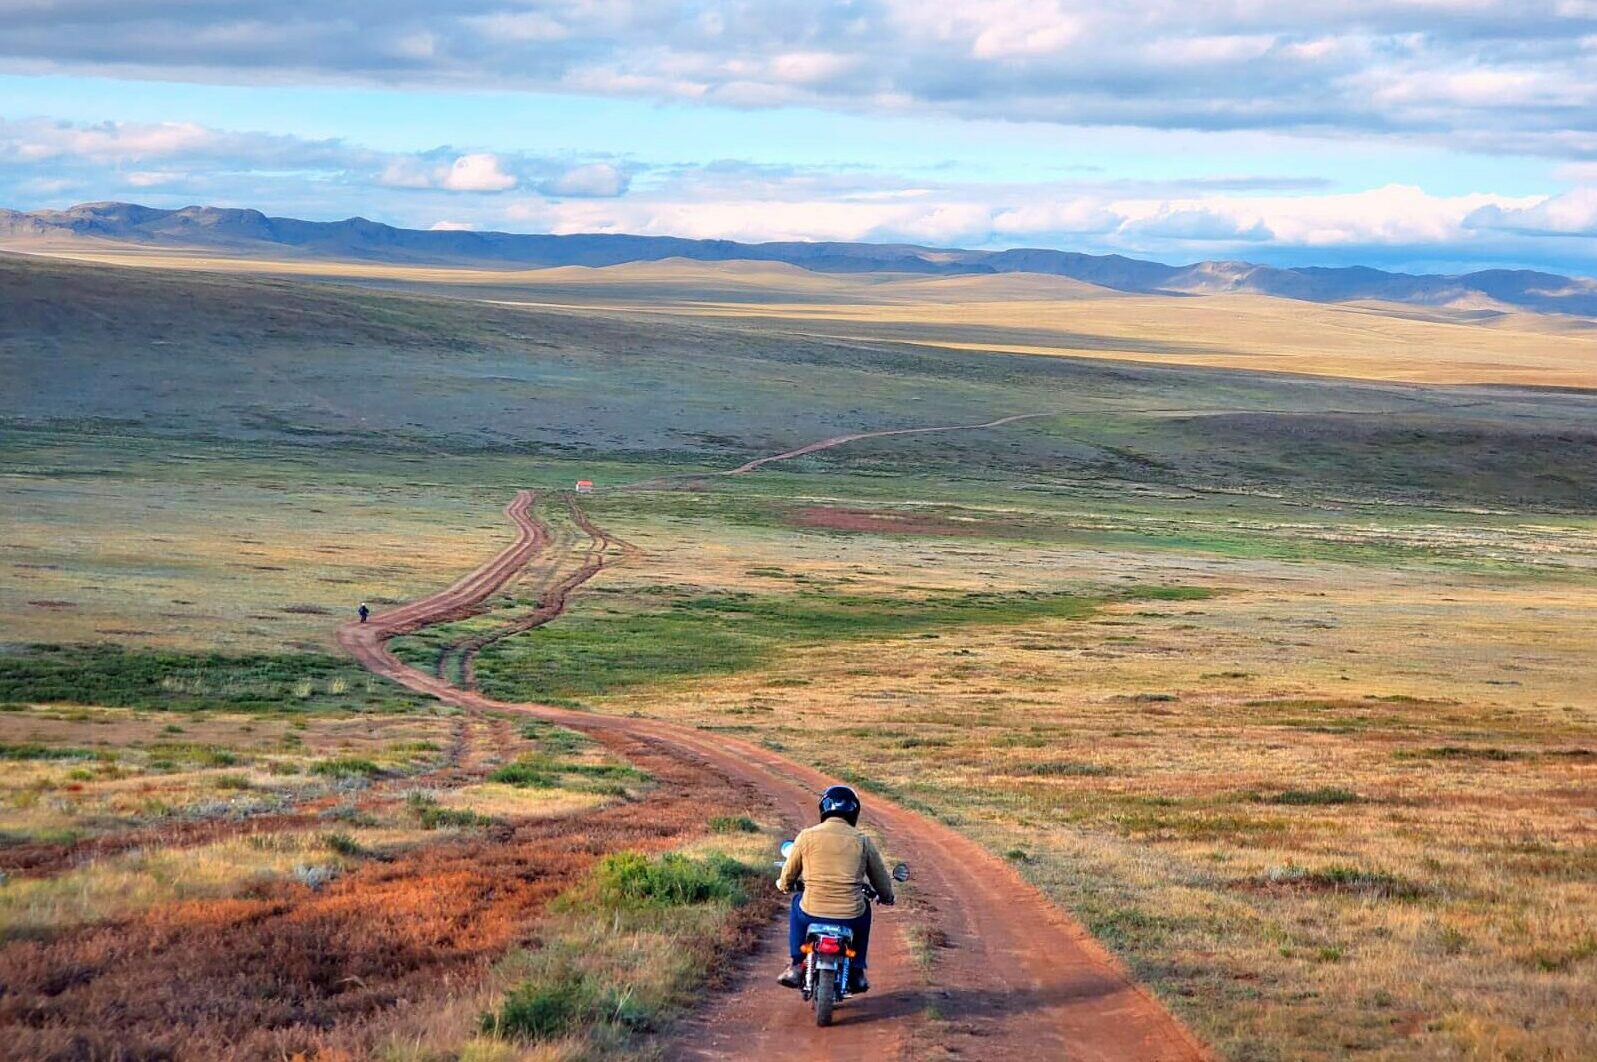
x=828 y=946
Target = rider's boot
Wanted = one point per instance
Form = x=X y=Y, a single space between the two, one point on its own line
x=856 y=980
x=792 y=977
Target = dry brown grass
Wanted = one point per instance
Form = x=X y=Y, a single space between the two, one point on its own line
x=1041 y=315
x=1239 y=332
x=1333 y=809
x=272 y=966
x=162 y=779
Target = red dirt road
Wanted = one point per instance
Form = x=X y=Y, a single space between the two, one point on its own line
x=1017 y=980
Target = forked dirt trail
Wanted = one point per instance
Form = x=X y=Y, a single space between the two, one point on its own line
x=1017 y=979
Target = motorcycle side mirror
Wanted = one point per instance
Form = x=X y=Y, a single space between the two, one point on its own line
x=787 y=846
x=901 y=872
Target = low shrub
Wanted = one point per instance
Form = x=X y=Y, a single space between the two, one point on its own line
x=541 y=771
x=1061 y=768
x=552 y=739
x=525 y=775
x=733 y=824
x=347 y=767
x=632 y=878
x=433 y=817
x=32 y=751
x=557 y=1002
x=617 y=771
x=1463 y=752
x=343 y=844
x=1322 y=795
x=1341 y=878
x=198 y=755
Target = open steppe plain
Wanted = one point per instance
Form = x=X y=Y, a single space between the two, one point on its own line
x=1279 y=684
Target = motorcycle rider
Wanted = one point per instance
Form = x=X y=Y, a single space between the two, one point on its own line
x=834 y=860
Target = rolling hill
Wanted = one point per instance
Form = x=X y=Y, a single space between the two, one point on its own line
x=250 y=232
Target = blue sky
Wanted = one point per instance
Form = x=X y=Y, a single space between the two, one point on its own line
x=1444 y=134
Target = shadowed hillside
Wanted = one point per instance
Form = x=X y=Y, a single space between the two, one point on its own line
x=177 y=354
x=251 y=232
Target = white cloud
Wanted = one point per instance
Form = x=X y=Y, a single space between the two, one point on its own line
x=990 y=29
x=173 y=164
x=154 y=178
x=519 y=26
x=1079 y=215
x=1574 y=213
x=596 y=179
x=1500 y=75
x=182 y=153
x=477 y=173
x=1198 y=224
x=451 y=226
x=809 y=68
x=763 y=207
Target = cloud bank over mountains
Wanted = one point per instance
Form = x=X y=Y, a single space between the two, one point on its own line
x=729 y=200
x=1479 y=78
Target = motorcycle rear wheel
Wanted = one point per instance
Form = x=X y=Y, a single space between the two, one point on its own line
x=825 y=996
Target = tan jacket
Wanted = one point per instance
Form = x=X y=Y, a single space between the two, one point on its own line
x=835 y=859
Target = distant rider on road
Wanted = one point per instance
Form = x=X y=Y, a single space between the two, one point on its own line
x=834 y=861
x=364 y=611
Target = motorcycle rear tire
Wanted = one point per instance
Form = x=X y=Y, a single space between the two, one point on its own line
x=825 y=996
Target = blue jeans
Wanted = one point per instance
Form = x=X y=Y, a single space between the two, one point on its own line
x=798 y=923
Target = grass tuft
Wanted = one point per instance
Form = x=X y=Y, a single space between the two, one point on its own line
x=1324 y=795
x=347 y=767
x=632 y=878
x=560 y=1002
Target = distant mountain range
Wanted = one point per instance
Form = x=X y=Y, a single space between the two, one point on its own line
x=250 y=232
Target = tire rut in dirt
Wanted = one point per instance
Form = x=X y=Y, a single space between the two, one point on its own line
x=1027 y=980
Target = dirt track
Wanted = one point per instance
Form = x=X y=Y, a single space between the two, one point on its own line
x=1017 y=980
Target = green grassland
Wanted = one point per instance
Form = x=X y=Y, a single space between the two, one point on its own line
x=659 y=634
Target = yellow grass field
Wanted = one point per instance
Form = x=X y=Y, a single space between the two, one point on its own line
x=1018 y=313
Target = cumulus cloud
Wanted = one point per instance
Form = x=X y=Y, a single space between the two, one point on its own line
x=1573 y=213
x=1200 y=224
x=751 y=204
x=44 y=141
x=1500 y=75
x=175 y=154
x=478 y=173
x=593 y=180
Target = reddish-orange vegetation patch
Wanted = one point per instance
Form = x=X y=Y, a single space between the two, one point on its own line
x=284 y=970
x=889 y=522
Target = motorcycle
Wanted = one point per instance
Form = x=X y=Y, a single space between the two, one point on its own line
x=828 y=952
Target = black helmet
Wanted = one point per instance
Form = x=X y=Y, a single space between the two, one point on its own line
x=840 y=800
